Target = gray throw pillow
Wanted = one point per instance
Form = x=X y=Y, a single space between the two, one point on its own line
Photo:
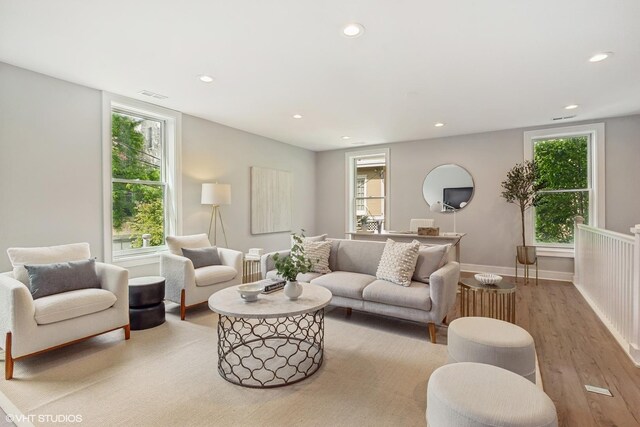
x=202 y=257
x=50 y=279
x=430 y=259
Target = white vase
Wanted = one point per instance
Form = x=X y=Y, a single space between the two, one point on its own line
x=292 y=289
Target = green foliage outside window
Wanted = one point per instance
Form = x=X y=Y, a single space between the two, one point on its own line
x=137 y=208
x=562 y=164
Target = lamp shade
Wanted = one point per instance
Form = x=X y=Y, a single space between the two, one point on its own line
x=436 y=207
x=216 y=194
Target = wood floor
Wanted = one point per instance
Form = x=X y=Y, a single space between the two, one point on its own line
x=574 y=348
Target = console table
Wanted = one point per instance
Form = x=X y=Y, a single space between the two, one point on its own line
x=453 y=239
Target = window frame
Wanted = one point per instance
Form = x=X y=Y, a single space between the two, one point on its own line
x=596 y=178
x=171 y=175
x=350 y=183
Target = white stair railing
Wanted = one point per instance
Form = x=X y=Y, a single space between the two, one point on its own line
x=607 y=274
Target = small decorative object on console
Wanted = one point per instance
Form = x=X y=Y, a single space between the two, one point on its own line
x=428 y=231
x=488 y=278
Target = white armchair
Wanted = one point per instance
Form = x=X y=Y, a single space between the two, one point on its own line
x=33 y=326
x=189 y=286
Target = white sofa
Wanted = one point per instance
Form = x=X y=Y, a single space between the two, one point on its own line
x=190 y=286
x=31 y=326
x=353 y=283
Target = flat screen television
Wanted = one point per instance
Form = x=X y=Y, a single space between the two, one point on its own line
x=455 y=196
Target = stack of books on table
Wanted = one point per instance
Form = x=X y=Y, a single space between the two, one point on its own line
x=271 y=285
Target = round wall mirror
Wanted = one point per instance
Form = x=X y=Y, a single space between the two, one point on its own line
x=450 y=185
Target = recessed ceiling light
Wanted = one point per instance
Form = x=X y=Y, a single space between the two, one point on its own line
x=600 y=56
x=353 y=30
x=346 y=137
x=571 y=107
x=439 y=124
x=297 y=116
x=205 y=78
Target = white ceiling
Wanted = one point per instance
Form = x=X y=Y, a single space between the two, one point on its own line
x=474 y=65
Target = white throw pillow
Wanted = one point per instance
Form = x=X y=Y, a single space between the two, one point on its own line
x=194 y=241
x=318 y=253
x=320 y=238
x=430 y=259
x=398 y=262
x=45 y=255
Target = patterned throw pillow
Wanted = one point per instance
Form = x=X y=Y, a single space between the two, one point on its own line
x=318 y=253
x=398 y=262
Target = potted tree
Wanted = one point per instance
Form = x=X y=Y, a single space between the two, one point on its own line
x=521 y=188
x=290 y=266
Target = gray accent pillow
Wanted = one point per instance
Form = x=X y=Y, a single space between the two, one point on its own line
x=202 y=257
x=50 y=279
x=430 y=259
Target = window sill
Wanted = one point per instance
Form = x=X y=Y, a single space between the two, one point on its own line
x=546 y=251
x=137 y=260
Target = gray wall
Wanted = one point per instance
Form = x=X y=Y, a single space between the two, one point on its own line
x=492 y=225
x=51 y=169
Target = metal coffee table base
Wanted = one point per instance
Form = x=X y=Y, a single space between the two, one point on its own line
x=273 y=352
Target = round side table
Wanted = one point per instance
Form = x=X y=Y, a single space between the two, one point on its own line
x=146 y=302
x=496 y=301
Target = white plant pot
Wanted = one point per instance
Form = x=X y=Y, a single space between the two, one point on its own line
x=292 y=290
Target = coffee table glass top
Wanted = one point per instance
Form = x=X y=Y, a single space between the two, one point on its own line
x=502 y=287
x=228 y=302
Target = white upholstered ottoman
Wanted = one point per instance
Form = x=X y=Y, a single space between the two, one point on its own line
x=494 y=342
x=480 y=395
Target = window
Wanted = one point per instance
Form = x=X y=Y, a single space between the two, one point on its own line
x=140 y=178
x=571 y=165
x=367 y=198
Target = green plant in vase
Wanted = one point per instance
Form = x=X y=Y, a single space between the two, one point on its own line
x=290 y=266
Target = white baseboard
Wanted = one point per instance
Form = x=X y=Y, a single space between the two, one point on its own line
x=510 y=271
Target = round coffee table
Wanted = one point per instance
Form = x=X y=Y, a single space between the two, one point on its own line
x=273 y=341
x=496 y=301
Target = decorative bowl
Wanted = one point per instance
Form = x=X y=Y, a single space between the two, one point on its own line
x=250 y=292
x=488 y=278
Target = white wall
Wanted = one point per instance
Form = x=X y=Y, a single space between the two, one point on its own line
x=50 y=160
x=492 y=225
x=212 y=152
x=50 y=169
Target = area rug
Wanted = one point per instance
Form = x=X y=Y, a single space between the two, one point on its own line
x=375 y=372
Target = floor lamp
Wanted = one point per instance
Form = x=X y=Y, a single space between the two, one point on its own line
x=216 y=195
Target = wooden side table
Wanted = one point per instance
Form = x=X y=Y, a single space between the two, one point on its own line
x=251 y=269
x=496 y=301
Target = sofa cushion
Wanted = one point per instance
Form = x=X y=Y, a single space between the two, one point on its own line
x=45 y=255
x=344 y=284
x=68 y=305
x=320 y=238
x=194 y=241
x=430 y=258
x=56 y=278
x=202 y=257
x=302 y=277
x=214 y=274
x=416 y=296
x=318 y=254
x=358 y=256
x=398 y=262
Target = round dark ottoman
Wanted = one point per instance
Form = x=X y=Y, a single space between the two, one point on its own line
x=146 y=306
